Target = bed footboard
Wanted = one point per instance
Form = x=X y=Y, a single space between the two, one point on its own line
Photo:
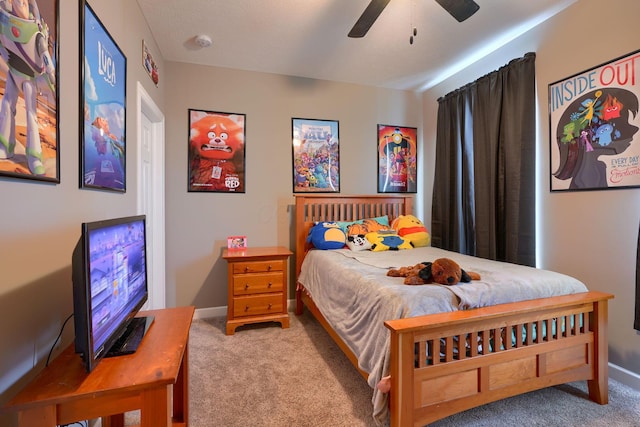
x=446 y=363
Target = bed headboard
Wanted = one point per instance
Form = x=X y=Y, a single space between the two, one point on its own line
x=311 y=208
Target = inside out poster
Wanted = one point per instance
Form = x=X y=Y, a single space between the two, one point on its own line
x=594 y=125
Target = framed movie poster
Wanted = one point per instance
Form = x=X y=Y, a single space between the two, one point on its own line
x=216 y=152
x=149 y=64
x=593 y=122
x=316 y=156
x=29 y=133
x=103 y=92
x=397 y=154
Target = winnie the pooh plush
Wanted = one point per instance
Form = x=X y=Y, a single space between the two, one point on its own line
x=443 y=271
x=412 y=229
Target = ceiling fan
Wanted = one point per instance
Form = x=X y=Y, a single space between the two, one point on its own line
x=459 y=9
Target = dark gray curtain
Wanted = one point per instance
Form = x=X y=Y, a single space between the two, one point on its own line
x=484 y=185
x=636 y=323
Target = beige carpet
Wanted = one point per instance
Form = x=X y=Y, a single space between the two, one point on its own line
x=268 y=376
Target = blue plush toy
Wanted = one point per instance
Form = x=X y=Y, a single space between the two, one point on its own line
x=326 y=235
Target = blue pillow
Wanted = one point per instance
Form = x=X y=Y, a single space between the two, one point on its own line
x=326 y=235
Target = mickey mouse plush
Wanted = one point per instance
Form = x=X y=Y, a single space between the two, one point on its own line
x=357 y=242
x=443 y=271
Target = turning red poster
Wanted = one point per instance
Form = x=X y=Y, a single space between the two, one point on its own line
x=594 y=124
x=216 y=152
x=397 y=153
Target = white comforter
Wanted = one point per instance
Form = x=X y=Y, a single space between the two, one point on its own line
x=354 y=294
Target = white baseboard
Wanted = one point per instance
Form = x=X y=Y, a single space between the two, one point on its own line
x=205 y=313
x=624 y=376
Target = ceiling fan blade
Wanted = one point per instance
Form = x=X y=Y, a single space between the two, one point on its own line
x=459 y=9
x=368 y=17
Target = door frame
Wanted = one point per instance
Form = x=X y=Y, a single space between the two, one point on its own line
x=147 y=107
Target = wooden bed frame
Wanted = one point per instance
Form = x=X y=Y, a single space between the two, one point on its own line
x=425 y=388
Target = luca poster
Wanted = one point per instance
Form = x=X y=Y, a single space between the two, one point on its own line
x=104 y=93
x=594 y=124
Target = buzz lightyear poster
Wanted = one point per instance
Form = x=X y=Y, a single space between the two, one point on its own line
x=104 y=78
x=594 y=124
x=28 y=81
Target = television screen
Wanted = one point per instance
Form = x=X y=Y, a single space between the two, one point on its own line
x=109 y=284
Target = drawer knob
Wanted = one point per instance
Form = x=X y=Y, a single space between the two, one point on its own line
x=246 y=308
x=246 y=286
x=269 y=267
x=269 y=307
x=246 y=269
x=269 y=285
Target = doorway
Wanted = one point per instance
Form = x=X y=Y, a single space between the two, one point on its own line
x=151 y=193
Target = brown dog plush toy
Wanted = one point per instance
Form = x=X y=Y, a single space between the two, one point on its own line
x=443 y=271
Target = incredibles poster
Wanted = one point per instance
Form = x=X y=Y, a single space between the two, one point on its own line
x=594 y=124
x=397 y=153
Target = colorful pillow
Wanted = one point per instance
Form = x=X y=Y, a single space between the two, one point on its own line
x=326 y=235
x=358 y=242
x=384 y=220
x=385 y=240
x=412 y=229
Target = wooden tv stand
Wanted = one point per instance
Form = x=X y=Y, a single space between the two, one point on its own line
x=155 y=380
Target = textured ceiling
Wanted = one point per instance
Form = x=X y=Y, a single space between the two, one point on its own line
x=308 y=38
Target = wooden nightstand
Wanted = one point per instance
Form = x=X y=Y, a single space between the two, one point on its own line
x=257 y=286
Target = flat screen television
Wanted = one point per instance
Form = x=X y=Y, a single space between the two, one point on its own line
x=109 y=274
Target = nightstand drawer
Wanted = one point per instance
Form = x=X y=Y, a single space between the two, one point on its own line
x=257 y=304
x=258 y=266
x=245 y=284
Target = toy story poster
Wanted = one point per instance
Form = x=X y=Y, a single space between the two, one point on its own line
x=104 y=95
x=28 y=81
x=594 y=124
x=216 y=151
x=316 y=156
x=397 y=153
